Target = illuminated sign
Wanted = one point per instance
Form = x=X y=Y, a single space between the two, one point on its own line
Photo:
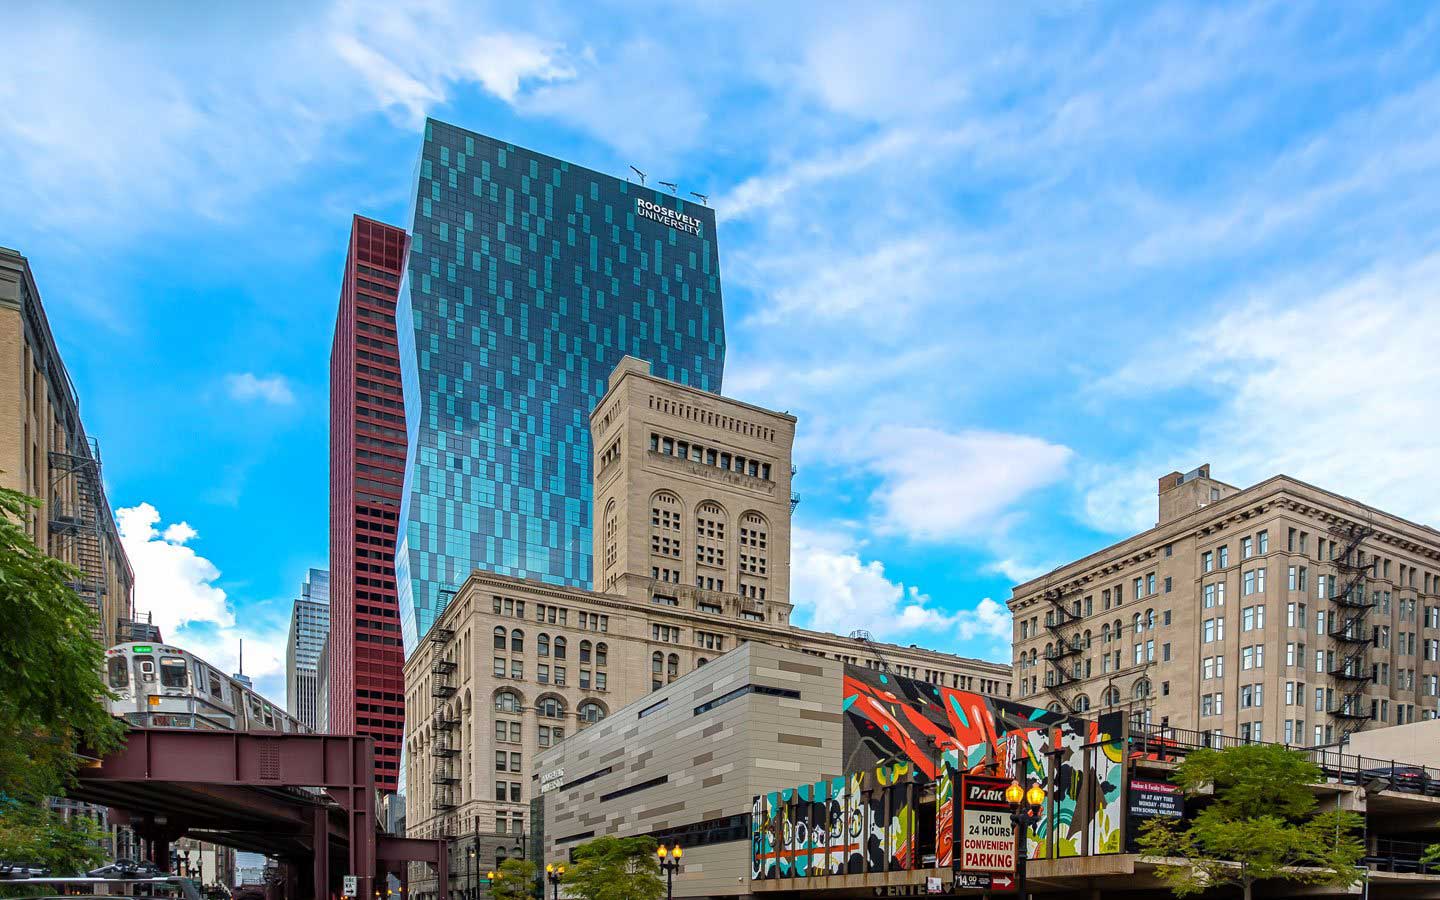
x=142 y=648
x=667 y=216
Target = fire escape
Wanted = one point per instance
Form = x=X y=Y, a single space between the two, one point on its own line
x=1063 y=655
x=444 y=747
x=77 y=524
x=1350 y=630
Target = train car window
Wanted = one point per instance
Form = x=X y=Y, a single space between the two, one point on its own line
x=214 y=683
x=119 y=672
x=172 y=672
x=254 y=709
x=269 y=716
x=147 y=668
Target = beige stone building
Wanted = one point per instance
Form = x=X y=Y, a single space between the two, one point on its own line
x=683 y=764
x=1280 y=612
x=692 y=552
x=45 y=452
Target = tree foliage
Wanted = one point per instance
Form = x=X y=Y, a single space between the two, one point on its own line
x=515 y=881
x=611 y=868
x=1431 y=856
x=1260 y=824
x=51 y=696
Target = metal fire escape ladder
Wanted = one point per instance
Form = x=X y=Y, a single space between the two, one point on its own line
x=864 y=637
x=444 y=745
x=77 y=523
x=1065 y=645
x=1350 y=629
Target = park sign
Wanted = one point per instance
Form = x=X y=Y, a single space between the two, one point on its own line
x=987 y=835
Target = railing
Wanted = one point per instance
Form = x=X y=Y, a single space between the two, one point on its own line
x=1166 y=744
x=1400 y=856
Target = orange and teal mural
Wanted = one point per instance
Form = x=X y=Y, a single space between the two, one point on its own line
x=905 y=740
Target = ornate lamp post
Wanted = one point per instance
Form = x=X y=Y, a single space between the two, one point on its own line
x=494 y=877
x=473 y=871
x=553 y=874
x=669 y=862
x=1025 y=808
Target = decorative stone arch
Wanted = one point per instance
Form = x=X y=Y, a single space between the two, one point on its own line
x=584 y=707
x=1081 y=703
x=496 y=695
x=548 y=701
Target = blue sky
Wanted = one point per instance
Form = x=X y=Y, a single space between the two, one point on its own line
x=1007 y=269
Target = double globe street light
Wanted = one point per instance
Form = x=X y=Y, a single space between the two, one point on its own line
x=669 y=862
x=1025 y=809
x=553 y=874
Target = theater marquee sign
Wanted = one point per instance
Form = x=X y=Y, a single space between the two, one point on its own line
x=667 y=216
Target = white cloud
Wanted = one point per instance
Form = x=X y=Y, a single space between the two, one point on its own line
x=937 y=485
x=1335 y=384
x=273 y=389
x=178 y=589
x=232 y=105
x=834 y=589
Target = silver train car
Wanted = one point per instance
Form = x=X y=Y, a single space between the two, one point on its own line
x=161 y=686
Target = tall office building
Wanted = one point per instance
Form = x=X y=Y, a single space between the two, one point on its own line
x=45 y=452
x=1280 y=612
x=367 y=458
x=309 y=626
x=529 y=278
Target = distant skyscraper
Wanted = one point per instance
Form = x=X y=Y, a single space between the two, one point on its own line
x=309 y=625
x=529 y=278
x=367 y=459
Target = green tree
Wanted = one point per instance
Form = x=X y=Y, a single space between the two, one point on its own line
x=611 y=868
x=1260 y=824
x=1431 y=856
x=515 y=880
x=51 y=697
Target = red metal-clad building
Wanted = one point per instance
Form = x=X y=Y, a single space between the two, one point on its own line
x=367 y=470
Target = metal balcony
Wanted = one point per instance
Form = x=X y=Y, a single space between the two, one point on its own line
x=1352 y=632
x=1349 y=673
x=442 y=691
x=442 y=666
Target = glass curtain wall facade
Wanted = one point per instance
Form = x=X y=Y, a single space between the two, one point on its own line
x=528 y=279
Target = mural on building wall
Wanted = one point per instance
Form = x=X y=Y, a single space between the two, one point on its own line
x=900 y=734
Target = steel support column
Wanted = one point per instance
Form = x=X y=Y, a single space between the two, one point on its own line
x=321 y=854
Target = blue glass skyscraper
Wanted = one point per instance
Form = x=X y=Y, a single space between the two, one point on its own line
x=529 y=278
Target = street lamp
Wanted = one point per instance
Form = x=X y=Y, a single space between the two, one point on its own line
x=553 y=874
x=474 y=875
x=494 y=877
x=1025 y=808
x=669 y=862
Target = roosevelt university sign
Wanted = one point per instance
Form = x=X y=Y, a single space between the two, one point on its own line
x=667 y=216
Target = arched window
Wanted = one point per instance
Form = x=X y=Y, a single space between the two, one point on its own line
x=665 y=537
x=1135 y=621
x=1142 y=689
x=591 y=712
x=1049 y=650
x=500 y=639
x=507 y=701
x=710 y=535
x=542 y=644
x=601 y=654
x=517 y=641
x=672 y=665
x=1112 y=696
x=657 y=663
x=1085 y=640
x=1119 y=629
x=612 y=531
x=559 y=647
x=1105 y=633
x=1149 y=620
x=1054 y=707
x=700 y=662
x=584 y=651
x=1082 y=703
x=550 y=708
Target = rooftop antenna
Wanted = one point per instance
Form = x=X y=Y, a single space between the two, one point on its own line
x=701 y=197
x=242 y=656
x=640 y=173
x=671 y=185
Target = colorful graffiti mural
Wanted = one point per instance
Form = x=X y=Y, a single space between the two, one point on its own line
x=906 y=741
x=889 y=720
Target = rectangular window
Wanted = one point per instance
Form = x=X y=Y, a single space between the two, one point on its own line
x=1263 y=539
x=1224 y=557
x=1246 y=548
x=1207 y=561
